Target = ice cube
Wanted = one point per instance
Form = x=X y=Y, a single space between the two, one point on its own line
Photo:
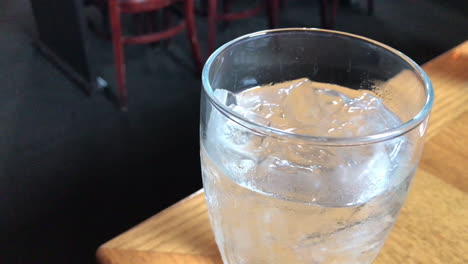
x=225 y=97
x=328 y=176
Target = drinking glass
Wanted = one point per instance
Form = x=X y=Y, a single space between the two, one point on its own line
x=293 y=196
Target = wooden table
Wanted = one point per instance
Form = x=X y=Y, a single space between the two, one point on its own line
x=432 y=227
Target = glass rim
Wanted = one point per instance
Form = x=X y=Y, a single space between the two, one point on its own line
x=319 y=140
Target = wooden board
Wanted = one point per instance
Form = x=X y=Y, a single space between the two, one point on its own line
x=432 y=227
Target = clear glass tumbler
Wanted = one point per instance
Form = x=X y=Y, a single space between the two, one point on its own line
x=309 y=142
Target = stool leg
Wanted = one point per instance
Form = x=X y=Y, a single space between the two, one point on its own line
x=212 y=20
x=328 y=16
x=192 y=33
x=273 y=8
x=117 y=43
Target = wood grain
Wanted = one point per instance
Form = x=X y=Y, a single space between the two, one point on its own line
x=432 y=227
x=449 y=76
x=179 y=234
x=446 y=154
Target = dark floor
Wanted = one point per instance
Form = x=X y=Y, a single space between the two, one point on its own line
x=75 y=171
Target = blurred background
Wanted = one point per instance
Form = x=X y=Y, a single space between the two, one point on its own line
x=79 y=164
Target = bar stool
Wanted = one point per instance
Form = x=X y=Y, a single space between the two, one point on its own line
x=118 y=7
